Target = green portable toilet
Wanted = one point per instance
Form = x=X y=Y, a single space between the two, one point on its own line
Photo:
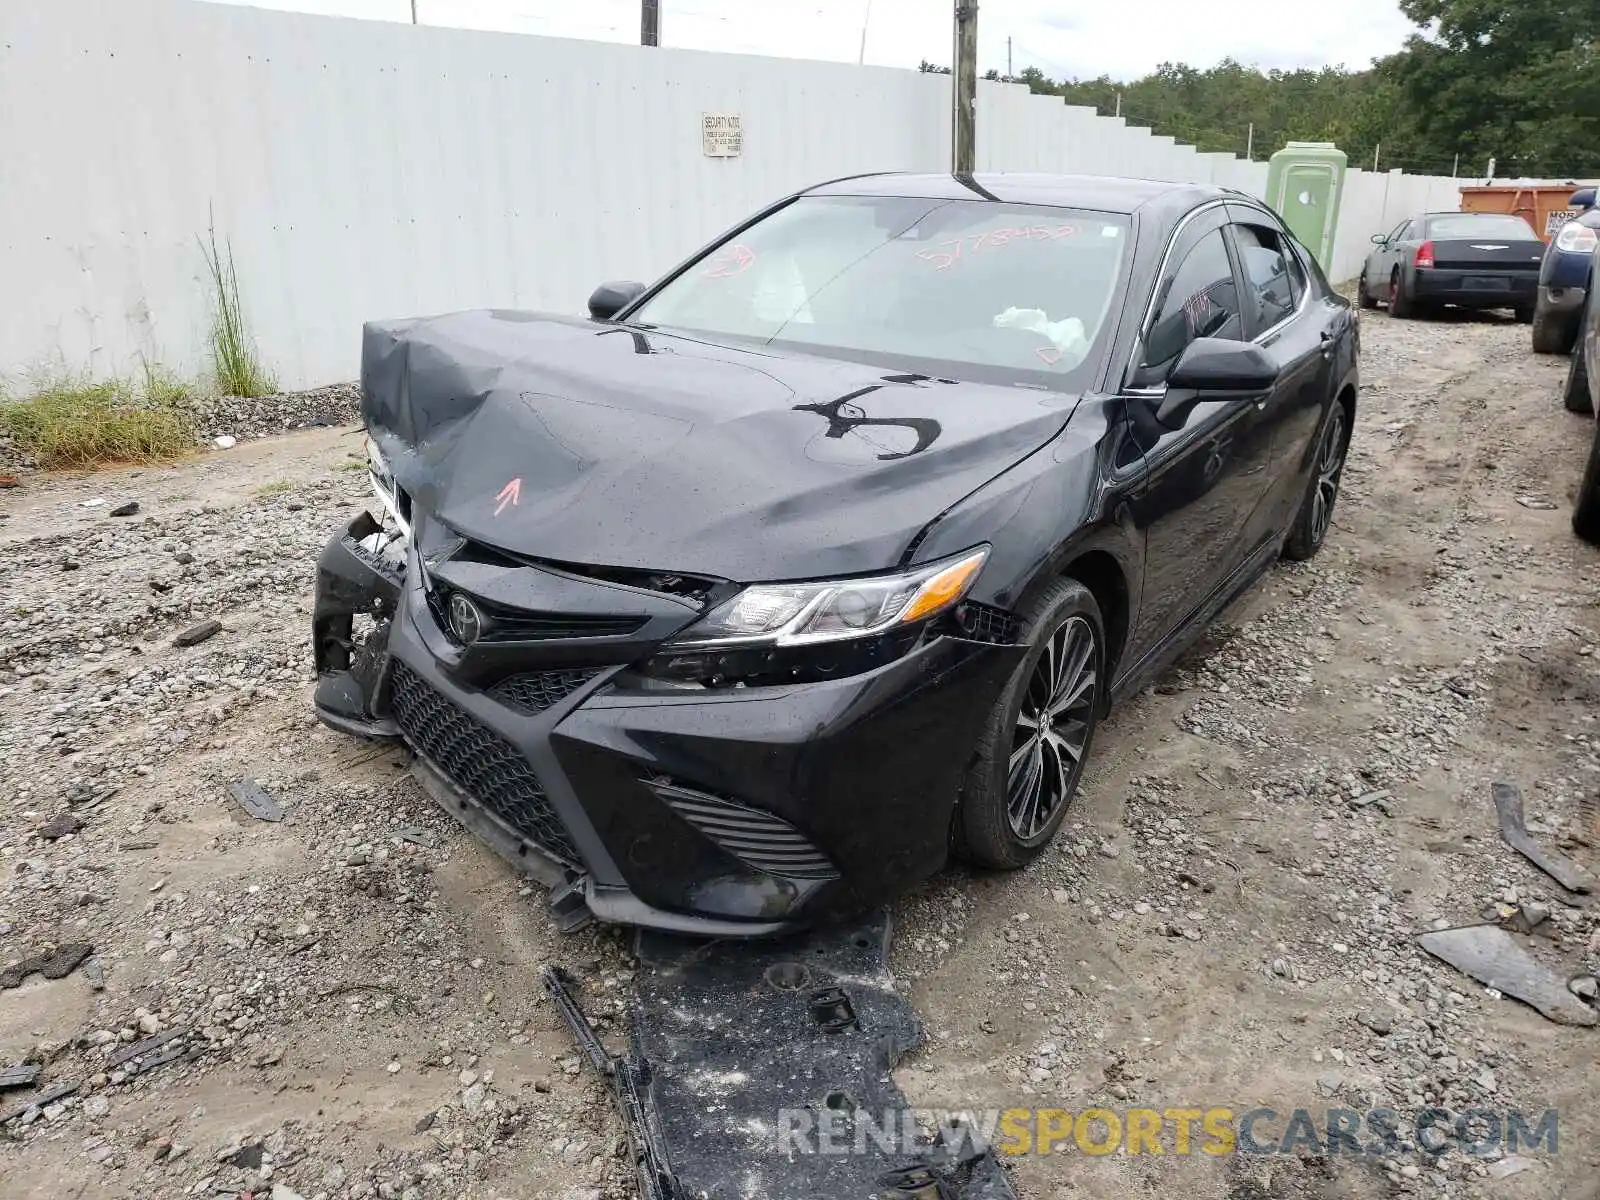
x=1304 y=182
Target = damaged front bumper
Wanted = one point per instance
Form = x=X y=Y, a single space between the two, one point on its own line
x=715 y=812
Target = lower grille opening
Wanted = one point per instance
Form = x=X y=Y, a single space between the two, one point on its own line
x=478 y=761
x=538 y=690
x=986 y=623
x=752 y=835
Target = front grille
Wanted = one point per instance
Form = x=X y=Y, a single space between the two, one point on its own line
x=539 y=690
x=506 y=624
x=478 y=761
x=764 y=841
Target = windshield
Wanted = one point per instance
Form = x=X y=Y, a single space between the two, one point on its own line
x=1481 y=225
x=969 y=289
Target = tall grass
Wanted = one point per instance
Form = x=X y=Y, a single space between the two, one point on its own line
x=234 y=362
x=68 y=423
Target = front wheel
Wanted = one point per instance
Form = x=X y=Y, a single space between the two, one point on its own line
x=1364 y=296
x=1586 y=513
x=1311 y=523
x=1552 y=332
x=1575 y=391
x=1031 y=753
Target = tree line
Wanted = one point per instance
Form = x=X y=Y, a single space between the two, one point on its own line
x=1516 y=81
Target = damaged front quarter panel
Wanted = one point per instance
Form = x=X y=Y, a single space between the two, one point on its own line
x=359 y=577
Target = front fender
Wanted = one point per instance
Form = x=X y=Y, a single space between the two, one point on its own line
x=1065 y=500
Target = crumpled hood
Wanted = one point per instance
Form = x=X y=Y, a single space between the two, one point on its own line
x=574 y=442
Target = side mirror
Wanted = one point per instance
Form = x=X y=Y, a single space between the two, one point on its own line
x=609 y=299
x=1215 y=369
x=1582 y=198
x=1380 y=239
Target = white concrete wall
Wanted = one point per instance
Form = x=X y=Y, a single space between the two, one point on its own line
x=369 y=169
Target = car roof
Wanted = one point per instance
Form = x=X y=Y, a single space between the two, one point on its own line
x=1098 y=193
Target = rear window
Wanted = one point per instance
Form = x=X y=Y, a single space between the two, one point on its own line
x=1481 y=225
x=969 y=289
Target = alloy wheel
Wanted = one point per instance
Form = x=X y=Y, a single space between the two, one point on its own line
x=1330 y=464
x=1052 y=730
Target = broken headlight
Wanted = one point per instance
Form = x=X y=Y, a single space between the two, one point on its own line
x=389 y=493
x=792 y=632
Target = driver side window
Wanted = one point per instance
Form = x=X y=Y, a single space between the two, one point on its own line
x=1203 y=301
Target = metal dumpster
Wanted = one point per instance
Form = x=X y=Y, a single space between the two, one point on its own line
x=1545 y=206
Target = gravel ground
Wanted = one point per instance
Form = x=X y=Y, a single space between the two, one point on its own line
x=1228 y=919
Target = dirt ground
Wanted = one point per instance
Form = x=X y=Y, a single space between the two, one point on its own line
x=1228 y=919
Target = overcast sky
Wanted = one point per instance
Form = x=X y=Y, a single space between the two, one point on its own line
x=1063 y=38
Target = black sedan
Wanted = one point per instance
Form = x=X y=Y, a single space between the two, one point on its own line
x=1470 y=260
x=741 y=604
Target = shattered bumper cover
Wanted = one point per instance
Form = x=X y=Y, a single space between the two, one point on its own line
x=719 y=812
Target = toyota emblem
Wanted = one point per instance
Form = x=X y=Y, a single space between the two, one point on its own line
x=466 y=622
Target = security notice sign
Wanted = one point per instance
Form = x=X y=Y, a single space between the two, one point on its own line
x=721 y=134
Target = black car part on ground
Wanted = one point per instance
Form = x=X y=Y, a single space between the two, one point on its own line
x=766 y=1069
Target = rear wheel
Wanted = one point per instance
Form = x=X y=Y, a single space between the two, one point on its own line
x=1575 y=392
x=1399 y=301
x=1032 y=751
x=1586 y=513
x=1311 y=523
x=1364 y=297
x=1553 y=332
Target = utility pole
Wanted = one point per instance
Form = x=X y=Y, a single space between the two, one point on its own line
x=413 y=12
x=966 y=87
x=1455 y=165
x=1118 y=113
x=1490 y=178
x=1375 y=149
x=1008 y=58
x=866 y=18
x=650 y=23
x=1250 y=143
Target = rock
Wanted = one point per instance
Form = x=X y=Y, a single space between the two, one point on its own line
x=96 y=1107
x=1511 y=1164
x=126 y=509
x=1329 y=1083
x=224 y=442
x=1109 y=850
x=61 y=825
x=1376 y=1021
x=196 y=634
x=284 y=1192
x=426 y=1121
x=472 y=1099
x=1584 y=987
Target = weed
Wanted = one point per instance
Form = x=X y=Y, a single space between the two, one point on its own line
x=276 y=488
x=69 y=423
x=233 y=356
x=161 y=387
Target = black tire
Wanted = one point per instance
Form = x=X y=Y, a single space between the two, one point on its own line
x=1399 y=300
x=1553 y=332
x=1363 y=297
x=1575 y=391
x=1586 y=512
x=1315 y=518
x=1064 y=621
